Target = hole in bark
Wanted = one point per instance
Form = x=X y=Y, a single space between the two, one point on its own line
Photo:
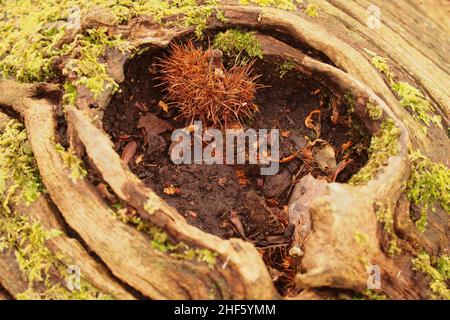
x=217 y=198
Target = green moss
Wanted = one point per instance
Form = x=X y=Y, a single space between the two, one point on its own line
x=25 y=238
x=428 y=186
x=72 y=162
x=38 y=263
x=161 y=241
x=70 y=94
x=201 y=255
x=86 y=50
x=17 y=167
x=381 y=64
x=410 y=97
x=436 y=272
x=386 y=217
x=370 y=295
x=30 y=33
x=197 y=16
x=285 y=68
x=361 y=238
x=374 y=110
x=384 y=144
x=443 y=266
x=311 y=10
x=350 y=101
x=280 y=4
x=235 y=43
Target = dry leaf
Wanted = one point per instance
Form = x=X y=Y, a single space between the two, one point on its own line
x=271 y=203
x=152 y=124
x=124 y=137
x=314 y=124
x=171 y=190
x=346 y=145
x=324 y=156
x=222 y=181
x=128 y=152
x=242 y=177
x=237 y=224
x=306 y=190
x=192 y=214
x=139 y=159
x=335 y=112
x=163 y=105
x=285 y=133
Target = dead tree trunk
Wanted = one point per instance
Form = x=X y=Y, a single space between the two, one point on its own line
x=332 y=259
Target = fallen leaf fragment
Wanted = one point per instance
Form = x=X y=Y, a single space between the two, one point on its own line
x=324 y=155
x=171 y=190
x=152 y=124
x=192 y=214
x=128 y=152
x=237 y=224
x=346 y=146
x=312 y=121
x=163 y=105
x=285 y=133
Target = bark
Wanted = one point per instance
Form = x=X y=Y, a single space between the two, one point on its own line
x=332 y=258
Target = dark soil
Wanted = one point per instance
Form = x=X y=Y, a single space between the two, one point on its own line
x=217 y=198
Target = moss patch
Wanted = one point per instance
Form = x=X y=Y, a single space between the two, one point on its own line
x=86 y=50
x=384 y=144
x=27 y=239
x=350 y=102
x=370 y=295
x=311 y=10
x=18 y=167
x=385 y=216
x=72 y=162
x=280 y=4
x=38 y=263
x=410 y=97
x=236 y=44
x=284 y=68
x=437 y=272
x=161 y=241
x=374 y=110
x=428 y=186
x=31 y=34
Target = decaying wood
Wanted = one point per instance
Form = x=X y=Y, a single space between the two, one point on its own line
x=344 y=235
x=95 y=273
x=11 y=278
x=326 y=37
x=91 y=270
x=146 y=269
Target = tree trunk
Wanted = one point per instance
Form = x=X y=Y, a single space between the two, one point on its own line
x=121 y=261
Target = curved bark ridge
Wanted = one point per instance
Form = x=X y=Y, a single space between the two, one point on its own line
x=154 y=250
x=45 y=270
